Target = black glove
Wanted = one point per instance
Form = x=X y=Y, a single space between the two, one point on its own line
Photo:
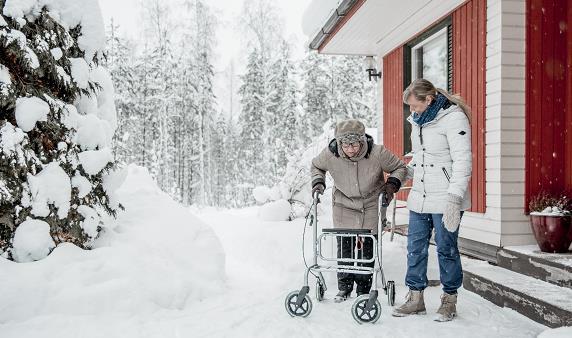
x=389 y=189
x=318 y=189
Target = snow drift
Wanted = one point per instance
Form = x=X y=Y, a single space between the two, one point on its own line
x=155 y=256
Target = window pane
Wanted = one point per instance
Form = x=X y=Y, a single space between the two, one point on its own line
x=435 y=61
x=430 y=59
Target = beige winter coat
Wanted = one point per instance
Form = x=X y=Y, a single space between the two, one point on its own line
x=357 y=181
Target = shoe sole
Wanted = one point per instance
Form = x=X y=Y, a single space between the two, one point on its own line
x=398 y=314
x=445 y=319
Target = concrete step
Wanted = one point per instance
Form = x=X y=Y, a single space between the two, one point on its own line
x=540 y=301
x=529 y=260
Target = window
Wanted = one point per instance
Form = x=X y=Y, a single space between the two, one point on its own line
x=428 y=56
x=430 y=59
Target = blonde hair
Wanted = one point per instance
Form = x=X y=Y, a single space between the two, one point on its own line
x=421 y=88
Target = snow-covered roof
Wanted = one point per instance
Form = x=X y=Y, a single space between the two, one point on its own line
x=322 y=17
x=373 y=27
x=316 y=14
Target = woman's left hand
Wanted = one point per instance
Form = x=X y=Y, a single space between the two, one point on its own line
x=452 y=214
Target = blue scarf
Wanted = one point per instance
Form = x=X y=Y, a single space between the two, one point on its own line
x=431 y=112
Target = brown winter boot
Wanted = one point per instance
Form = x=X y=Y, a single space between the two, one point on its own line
x=448 y=309
x=413 y=305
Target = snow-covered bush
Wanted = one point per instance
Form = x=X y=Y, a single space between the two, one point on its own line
x=297 y=179
x=261 y=194
x=57 y=119
x=294 y=186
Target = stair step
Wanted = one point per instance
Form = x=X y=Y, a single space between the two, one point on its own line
x=540 y=301
x=530 y=261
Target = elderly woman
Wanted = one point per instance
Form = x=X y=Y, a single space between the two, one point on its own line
x=441 y=166
x=357 y=166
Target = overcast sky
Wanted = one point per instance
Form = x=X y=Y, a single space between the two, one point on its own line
x=127 y=14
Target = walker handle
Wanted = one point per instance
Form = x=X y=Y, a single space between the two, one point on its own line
x=384 y=200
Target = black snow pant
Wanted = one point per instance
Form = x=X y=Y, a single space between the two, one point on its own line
x=347 y=249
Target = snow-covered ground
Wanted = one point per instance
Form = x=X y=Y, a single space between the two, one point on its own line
x=162 y=273
x=264 y=263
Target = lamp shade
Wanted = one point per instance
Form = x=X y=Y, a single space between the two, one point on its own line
x=369 y=62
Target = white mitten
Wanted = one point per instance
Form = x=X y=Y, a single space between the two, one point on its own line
x=452 y=214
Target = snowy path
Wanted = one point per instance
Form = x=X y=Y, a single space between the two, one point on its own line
x=264 y=263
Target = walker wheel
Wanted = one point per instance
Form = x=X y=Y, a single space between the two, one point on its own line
x=361 y=315
x=391 y=292
x=319 y=291
x=297 y=311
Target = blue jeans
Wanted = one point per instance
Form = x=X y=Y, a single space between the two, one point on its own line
x=419 y=233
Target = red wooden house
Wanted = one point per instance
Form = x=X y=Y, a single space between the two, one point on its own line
x=512 y=62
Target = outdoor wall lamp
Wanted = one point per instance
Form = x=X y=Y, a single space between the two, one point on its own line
x=370 y=68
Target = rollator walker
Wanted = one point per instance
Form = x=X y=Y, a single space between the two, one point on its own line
x=366 y=308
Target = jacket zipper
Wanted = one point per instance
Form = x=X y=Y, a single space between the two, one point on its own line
x=423 y=164
x=362 y=209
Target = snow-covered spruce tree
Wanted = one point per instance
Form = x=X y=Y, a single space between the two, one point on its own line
x=232 y=178
x=202 y=40
x=283 y=110
x=317 y=95
x=57 y=119
x=119 y=62
x=335 y=88
x=253 y=148
x=354 y=95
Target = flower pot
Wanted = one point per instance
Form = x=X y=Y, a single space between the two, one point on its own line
x=552 y=233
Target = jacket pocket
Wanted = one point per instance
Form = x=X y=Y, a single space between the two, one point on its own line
x=447 y=176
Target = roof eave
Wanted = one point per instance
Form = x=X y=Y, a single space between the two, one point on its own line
x=333 y=24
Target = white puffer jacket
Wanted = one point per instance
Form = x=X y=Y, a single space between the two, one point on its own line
x=441 y=161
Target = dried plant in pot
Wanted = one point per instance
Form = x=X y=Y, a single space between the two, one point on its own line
x=550 y=219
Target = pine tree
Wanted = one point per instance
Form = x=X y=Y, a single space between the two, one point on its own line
x=48 y=73
x=233 y=179
x=261 y=97
x=317 y=97
x=159 y=60
x=252 y=121
x=202 y=57
x=335 y=88
x=354 y=96
x=119 y=61
x=283 y=110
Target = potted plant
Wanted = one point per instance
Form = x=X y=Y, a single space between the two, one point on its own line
x=550 y=218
